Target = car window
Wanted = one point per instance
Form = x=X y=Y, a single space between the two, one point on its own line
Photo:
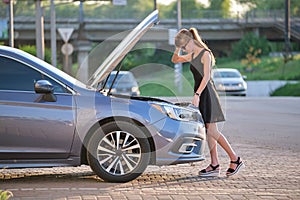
x=217 y=75
x=15 y=75
x=121 y=79
x=226 y=75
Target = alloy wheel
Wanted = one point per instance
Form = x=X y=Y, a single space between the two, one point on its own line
x=119 y=153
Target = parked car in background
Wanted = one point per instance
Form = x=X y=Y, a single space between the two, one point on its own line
x=50 y=119
x=229 y=81
x=121 y=82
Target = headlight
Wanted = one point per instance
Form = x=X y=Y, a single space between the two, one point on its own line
x=134 y=89
x=113 y=90
x=178 y=113
x=220 y=86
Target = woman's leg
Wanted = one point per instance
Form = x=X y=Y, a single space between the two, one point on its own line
x=214 y=137
x=213 y=169
x=213 y=134
x=212 y=145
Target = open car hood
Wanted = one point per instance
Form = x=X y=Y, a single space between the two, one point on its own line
x=116 y=56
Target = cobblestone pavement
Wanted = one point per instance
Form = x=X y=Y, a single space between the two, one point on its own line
x=272 y=166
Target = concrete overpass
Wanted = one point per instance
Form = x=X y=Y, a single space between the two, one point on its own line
x=219 y=33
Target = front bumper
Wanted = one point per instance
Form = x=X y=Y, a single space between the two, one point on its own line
x=187 y=145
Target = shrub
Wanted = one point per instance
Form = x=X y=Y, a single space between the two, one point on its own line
x=251 y=59
x=4 y=195
x=257 y=44
x=32 y=50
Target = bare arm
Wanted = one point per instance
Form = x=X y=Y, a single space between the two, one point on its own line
x=176 y=58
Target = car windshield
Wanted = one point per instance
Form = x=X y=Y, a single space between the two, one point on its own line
x=226 y=74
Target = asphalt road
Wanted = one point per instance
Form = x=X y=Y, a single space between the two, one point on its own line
x=263 y=131
x=269 y=121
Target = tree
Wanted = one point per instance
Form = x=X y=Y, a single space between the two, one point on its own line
x=221 y=5
x=273 y=5
x=169 y=11
x=134 y=9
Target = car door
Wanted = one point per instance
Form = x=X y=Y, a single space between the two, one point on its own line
x=30 y=127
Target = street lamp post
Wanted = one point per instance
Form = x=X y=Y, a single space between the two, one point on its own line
x=53 y=33
x=10 y=10
x=287 y=34
x=287 y=54
x=39 y=23
x=178 y=66
x=11 y=23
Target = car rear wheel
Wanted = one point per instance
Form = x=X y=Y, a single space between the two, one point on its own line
x=118 y=152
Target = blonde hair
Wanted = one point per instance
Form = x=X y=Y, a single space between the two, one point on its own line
x=185 y=35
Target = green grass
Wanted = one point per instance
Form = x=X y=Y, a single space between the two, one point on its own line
x=288 y=90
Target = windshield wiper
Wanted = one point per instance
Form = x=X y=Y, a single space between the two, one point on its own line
x=113 y=81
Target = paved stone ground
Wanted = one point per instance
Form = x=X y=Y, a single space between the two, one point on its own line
x=271 y=157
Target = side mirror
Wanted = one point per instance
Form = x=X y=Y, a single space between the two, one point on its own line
x=244 y=77
x=43 y=87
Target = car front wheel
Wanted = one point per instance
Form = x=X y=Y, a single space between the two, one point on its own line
x=118 y=151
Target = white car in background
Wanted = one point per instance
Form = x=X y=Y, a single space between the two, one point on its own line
x=122 y=82
x=229 y=81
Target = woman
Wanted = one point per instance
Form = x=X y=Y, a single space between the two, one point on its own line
x=205 y=97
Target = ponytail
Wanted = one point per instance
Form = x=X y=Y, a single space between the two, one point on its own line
x=200 y=43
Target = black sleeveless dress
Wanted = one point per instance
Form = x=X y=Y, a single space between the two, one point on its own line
x=209 y=105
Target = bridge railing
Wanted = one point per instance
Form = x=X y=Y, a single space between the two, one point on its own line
x=270 y=15
x=192 y=14
x=114 y=13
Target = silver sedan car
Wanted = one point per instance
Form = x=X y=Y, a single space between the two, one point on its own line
x=50 y=119
x=229 y=81
x=122 y=82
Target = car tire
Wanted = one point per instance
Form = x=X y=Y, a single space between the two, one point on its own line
x=118 y=151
